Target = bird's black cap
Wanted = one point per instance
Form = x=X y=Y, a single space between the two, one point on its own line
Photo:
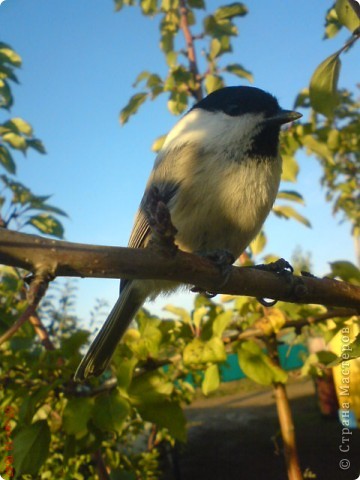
x=236 y=101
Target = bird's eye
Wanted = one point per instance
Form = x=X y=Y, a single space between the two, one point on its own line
x=232 y=110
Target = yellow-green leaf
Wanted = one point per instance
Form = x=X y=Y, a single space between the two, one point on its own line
x=324 y=97
x=346 y=15
x=47 y=224
x=211 y=380
x=213 y=82
x=258 y=244
x=290 y=168
x=289 y=212
x=158 y=143
x=258 y=366
x=239 y=71
x=132 y=107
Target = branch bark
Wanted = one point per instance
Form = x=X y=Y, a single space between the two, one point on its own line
x=59 y=258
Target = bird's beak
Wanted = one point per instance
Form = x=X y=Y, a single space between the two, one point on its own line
x=283 y=116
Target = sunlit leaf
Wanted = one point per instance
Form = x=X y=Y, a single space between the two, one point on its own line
x=239 y=71
x=211 y=380
x=213 y=82
x=221 y=322
x=21 y=125
x=148 y=7
x=258 y=244
x=158 y=143
x=346 y=15
x=285 y=211
x=132 y=107
x=8 y=55
x=16 y=141
x=47 y=224
x=290 y=168
x=258 y=366
x=324 y=97
x=230 y=11
x=291 y=195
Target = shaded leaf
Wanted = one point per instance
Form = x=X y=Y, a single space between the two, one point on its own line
x=31 y=448
x=347 y=271
x=167 y=414
x=6 y=160
x=77 y=413
x=324 y=97
x=36 y=145
x=177 y=103
x=110 y=411
x=151 y=387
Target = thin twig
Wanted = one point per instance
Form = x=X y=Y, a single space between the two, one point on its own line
x=36 y=291
x=190 y=49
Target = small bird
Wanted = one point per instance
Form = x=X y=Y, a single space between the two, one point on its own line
x=218 y=173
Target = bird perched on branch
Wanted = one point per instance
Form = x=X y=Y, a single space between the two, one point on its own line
x=218 y=173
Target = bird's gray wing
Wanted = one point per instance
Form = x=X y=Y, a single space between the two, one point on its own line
x=141 y=229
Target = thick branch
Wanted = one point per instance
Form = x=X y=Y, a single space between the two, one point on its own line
x=60 y=258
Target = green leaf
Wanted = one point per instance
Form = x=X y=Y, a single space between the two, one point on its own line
x=31 y=448
x=230 y=11
x=258 y=366
x=200 y=352
x=148 y=7
x=132 y=107
x=167 y=414
x=196 y=3
x=8 y=55
x=124 y=372
x=321 y=149
x=158 y=143
x=213 y=82
x=47 y=224
x=77 y=413
x=211 y=380
x=285 y=211
x=6 y=98
x=347 y=271
x=324 y=97
x=221 y=322
x=6 y=160
x=179 y=312
x=291 y=195
x=239 y=71
x=118 y=5
x=22 y=126
x=36 y=145
x=110 y=411
x=177 y=103
x=258 y=244
x=150 y=387
x=290 y=169
x=346 y=15
x=15 y=140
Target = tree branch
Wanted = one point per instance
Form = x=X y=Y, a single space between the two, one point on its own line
x=68 y=259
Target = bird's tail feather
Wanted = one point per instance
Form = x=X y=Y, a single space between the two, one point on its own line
x=102 y=348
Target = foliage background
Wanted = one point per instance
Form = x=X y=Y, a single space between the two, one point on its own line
x=79 y=62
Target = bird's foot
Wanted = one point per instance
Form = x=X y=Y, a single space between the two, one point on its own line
x=223 y=259
x=281 y=267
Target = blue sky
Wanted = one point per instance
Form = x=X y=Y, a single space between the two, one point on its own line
x=79 y=62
